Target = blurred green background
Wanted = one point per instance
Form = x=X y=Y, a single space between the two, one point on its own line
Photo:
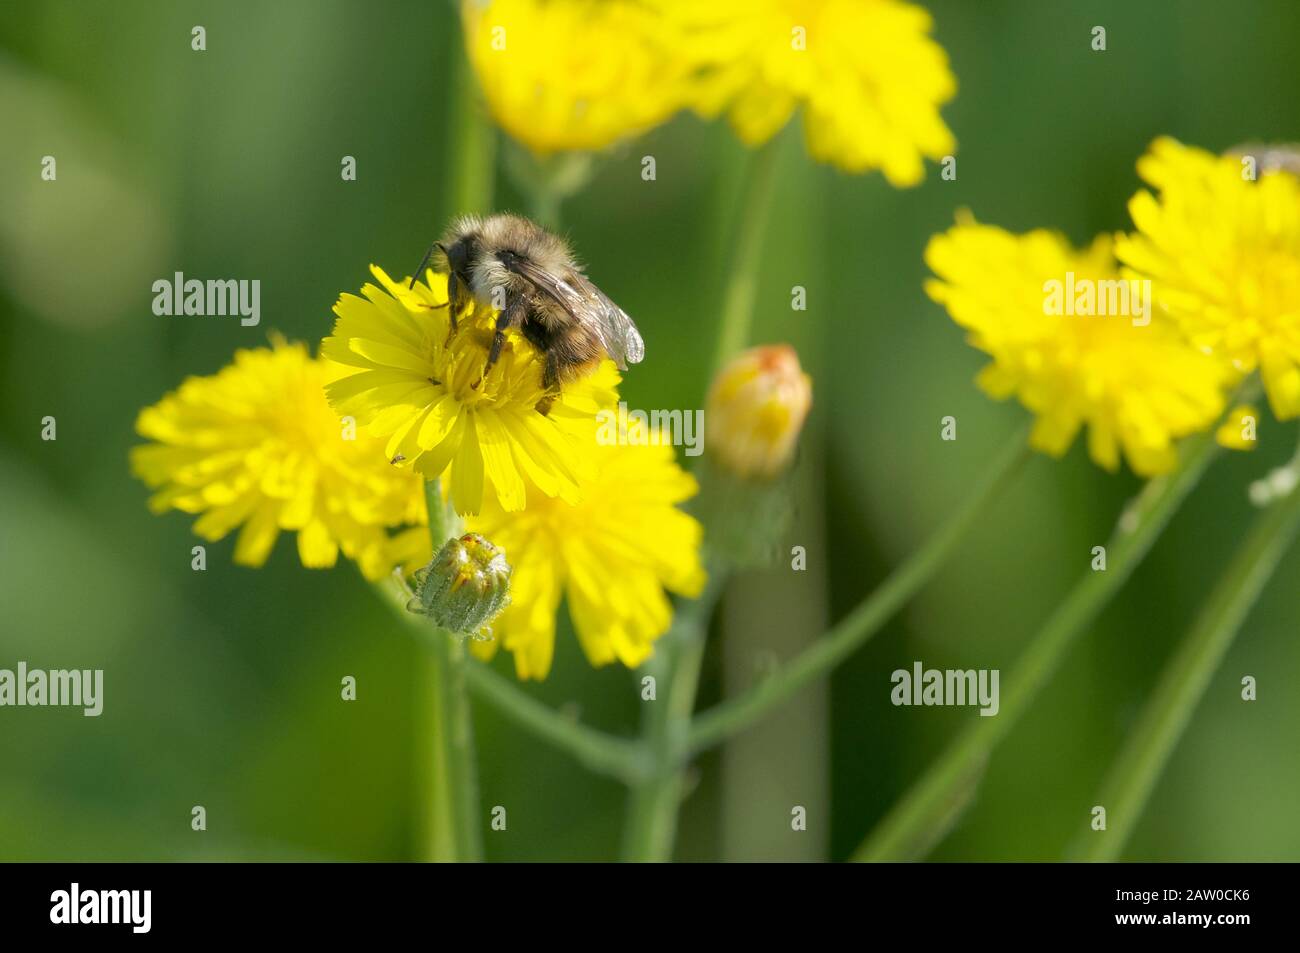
x=222 y=688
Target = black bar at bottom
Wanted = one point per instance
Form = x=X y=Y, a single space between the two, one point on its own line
x=339 y=901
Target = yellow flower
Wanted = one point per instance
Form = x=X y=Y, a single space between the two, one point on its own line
x=612 y=556
x=1137 y=386
x=866 y=72
x=756 y=409
x=1238 y=430
x=257 y=445
x=422 y=388
x=573 y=74
x=1224 y=255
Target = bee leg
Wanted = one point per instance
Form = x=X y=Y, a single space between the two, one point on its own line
x=510 y=316
x=498 y=339
x=453 y=301
x=551 y=383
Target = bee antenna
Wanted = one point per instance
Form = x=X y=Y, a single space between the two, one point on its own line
x=425 y=260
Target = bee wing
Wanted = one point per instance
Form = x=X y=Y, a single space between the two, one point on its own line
x=617 y=331
x=587 y=305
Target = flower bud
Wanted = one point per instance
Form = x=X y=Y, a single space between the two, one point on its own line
x=755 y=411
x=464 y=587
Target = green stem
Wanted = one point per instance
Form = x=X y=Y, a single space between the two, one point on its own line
x=547 y=181
x=666 y=724
x=595 y=750
x=457 y=834
x=929 y=808
x=456 y=828
x=842 y=640
x=737 y=315
x=653 y=803
x=598 y=751
x=544 y=208
x=558 y=178
x=472 y=140
x=1184 y=680
x=444 y=523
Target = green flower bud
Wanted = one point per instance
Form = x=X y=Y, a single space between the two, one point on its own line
x=464 y=587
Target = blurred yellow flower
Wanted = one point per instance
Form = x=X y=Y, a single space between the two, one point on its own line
x=1223 y=252
x=1135 y=383
x=563 y=75
x=756 y=409
x=422 y=388
x=612 y=556
x=866 y=72
x=1239 y=429
x=256 y=445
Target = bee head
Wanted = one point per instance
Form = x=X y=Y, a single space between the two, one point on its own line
x=458 y=255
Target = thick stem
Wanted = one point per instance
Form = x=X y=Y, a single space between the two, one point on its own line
x=653 y=803
x=768 y=616
x=1146 y=752
x=820 y=659
x=666 y=724
x=926 y=812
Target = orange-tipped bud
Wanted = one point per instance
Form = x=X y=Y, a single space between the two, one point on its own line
x=755 y=411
